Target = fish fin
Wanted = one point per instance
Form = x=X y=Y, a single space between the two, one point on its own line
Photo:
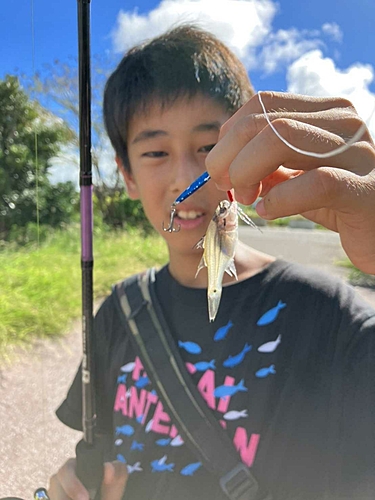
x=281 y=304
x=246 y=218
x=201 y=265
x=231 y=269
x=200 y=243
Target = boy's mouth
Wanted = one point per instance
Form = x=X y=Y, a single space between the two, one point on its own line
x=188 y=214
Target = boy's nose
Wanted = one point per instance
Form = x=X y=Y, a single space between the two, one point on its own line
x=185 y=170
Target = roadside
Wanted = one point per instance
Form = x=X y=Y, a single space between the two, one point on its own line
x=33 y=443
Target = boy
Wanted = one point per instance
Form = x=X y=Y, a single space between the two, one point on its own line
x=304 y=417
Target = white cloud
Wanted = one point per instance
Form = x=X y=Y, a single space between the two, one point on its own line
x=242 y=24
x=316 y=75
x=333 y=30
x=285 y=46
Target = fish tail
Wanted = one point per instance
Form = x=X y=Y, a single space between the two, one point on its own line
x=241 y=386
x=281 y=304
x=272 y=369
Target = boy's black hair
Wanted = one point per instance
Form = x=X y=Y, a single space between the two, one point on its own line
x=180 y=63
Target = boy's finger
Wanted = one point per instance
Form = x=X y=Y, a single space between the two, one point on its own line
x=284 y=101
x=66 y=485
x=321 y=188
x=114 y=480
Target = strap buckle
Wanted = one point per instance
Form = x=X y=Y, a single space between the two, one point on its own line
x=239 y=483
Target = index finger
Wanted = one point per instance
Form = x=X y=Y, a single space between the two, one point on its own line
x=282 y=102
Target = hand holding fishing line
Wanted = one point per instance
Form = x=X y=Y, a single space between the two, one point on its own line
x=334 y=189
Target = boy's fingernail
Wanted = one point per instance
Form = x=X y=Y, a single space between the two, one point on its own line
x=261 y=209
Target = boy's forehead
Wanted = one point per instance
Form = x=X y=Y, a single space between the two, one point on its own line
x=200 y=112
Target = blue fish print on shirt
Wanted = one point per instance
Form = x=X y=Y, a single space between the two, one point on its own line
x=222 y=332
x=139 y=419
x=190 y=469
x=264 y=372
x=190 y=347
x=126 y=430
x=142 y=382
x=122 y=379
x=205 y=365
x=236 y=360
x=121 y=458
x=271 y=315
x=161 y=465
x=137 y=446
x=163 y=442
x=229 y=390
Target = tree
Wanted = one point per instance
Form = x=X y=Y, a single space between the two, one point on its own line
x=57 y=87
x=30 y=137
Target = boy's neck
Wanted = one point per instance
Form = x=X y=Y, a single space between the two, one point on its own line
x=247 y=260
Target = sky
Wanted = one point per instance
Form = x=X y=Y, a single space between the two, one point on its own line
x=319 y=47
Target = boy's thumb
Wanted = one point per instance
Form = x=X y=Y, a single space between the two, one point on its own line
x=114 y=480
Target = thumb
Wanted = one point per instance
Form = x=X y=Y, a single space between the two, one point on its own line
x=114 y=480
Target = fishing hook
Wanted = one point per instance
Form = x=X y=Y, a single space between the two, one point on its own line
x=170 y=228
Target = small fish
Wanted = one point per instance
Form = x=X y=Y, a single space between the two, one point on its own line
x=177 y=441
x=271 y=315
x=118 y=442
x=236 y=360
x=126 y=430
x=234 y=415
x=161 y=465
x=137 y=446
x=219 y=245
x=270 y=346
x=129 y=367
x=205 y=365
x=121 y=458
x=135 y=468
x=149 y=425
x=122 y=379
x=229 y=390
x=142 y=382
x=163 y=442
x=190 y=347
x=264 y=372
x=222 y=332
x=190 y=469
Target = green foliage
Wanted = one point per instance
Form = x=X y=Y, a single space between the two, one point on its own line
x=29 y=138
x=40 y=287
x=118 y=211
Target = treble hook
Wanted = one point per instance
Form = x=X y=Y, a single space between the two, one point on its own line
x=170 y=228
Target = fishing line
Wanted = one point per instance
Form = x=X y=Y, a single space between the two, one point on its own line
x=36 y=144
x=328 y=154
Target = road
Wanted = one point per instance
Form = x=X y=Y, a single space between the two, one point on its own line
x=33 y=444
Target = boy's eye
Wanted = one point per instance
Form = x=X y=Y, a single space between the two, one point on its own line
x=155 y=154
x=207 y=149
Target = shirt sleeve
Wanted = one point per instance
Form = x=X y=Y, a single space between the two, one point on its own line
x=356 y=425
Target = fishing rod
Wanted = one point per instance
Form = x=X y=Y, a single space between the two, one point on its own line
x=88 y=451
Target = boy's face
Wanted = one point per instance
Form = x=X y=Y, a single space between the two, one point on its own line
x=167 y=151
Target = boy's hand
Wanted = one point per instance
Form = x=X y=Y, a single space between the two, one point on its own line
x=337 y=192
x=66 y=486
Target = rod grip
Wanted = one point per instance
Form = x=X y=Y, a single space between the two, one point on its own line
x=90 y=467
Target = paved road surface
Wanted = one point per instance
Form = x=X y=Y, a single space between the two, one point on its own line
x=32 y=442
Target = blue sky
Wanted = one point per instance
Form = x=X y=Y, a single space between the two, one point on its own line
x=317 y=47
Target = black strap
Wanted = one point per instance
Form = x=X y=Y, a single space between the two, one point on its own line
x=188 y=410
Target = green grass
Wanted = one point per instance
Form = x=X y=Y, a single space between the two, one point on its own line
x=357 y=277
x=40 y=290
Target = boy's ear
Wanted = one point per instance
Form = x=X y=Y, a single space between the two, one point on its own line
x=131 y=185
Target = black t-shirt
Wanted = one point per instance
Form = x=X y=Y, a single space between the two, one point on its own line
x=287 y=367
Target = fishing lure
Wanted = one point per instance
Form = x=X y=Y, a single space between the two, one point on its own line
x=219 y=246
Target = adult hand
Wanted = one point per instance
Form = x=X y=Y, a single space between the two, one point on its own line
x=66 y=486
x=337 y=192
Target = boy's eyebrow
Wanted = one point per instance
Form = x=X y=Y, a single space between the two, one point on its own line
x=150 y=134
